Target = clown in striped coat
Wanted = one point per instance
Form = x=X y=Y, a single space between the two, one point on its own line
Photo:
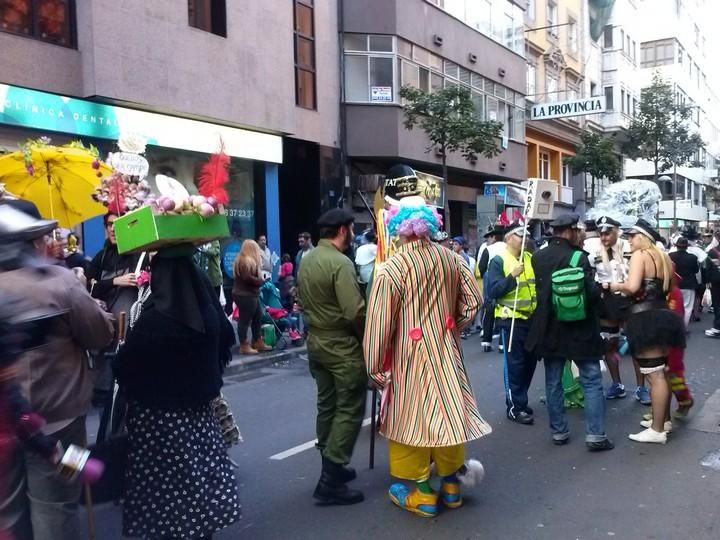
x=422 y=297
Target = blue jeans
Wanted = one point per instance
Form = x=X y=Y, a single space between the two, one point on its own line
x=591 y=382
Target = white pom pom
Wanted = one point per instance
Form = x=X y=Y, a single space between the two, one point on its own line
x=471 y=474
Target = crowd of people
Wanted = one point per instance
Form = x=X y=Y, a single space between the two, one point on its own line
x=396 y=326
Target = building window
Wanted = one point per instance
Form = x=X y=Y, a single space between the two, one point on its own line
x=657 y=53
x=572 y=36
x=697 y=36
x=531 y=80
x=46 y=20
x=634 y=51
x=678 y=7
x=566 y=175
x=544 y=165
x=305 y=82
x=635 y=104
x=609 y=92
x=530 y=11
x=622 y=100
x=551 y=88
x=608 y=37
x=208 y=15
x=629 y=49
x=628 y=97
x=622 y=38
x=552 y=18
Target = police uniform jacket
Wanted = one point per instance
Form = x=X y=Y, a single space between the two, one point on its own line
x=549 y=337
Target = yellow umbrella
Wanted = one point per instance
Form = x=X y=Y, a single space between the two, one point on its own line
x=60 y=180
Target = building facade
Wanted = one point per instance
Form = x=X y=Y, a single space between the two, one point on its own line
x=207 y=61
x=676 y=40
x=432 y=44
x=557 y=54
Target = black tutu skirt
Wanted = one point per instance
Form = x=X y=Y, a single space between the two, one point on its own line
x=657 y=327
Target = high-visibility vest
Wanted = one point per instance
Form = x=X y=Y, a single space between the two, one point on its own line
x=527 y=298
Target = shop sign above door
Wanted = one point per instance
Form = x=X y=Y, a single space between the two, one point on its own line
x=564 y=109
x=33 y=109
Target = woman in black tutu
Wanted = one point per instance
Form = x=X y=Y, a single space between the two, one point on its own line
x=651 y=327
x=179 y=479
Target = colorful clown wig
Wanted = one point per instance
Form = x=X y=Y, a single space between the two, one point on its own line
x=413 y=217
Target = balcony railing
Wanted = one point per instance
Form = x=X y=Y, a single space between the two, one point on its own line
x=566 y=195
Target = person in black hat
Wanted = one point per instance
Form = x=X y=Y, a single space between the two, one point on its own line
x=610 y=264
x=511 y=288
x=651 y=328
x=579 y=340
x=334 y=309
x=494 y=245
x=56 y=376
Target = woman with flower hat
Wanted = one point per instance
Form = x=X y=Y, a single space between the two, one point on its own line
x=422 y=297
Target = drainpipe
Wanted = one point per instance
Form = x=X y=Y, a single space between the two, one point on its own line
x=342 y=110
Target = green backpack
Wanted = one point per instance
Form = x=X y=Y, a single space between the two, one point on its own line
x=568 y=291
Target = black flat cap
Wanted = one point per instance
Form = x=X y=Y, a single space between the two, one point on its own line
x=590 y=225
x=336 y=218
x=606 y=222
x=495 y=230
x=643 y=227
x=565 y=222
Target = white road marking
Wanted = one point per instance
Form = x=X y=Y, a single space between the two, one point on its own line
x=304 y=446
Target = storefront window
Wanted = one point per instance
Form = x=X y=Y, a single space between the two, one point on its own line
x=46 y=20
x=185 y=167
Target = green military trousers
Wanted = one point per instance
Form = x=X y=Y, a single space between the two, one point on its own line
x=337 y=365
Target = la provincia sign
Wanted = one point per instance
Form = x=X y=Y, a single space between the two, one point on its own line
x=564 y=109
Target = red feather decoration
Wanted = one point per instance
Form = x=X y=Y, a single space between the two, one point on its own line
x=214 y=175
x=116 y=198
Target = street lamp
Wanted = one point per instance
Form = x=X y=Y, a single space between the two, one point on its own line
x=665 y=178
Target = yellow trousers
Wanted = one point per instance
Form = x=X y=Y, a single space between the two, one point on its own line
x=413 y=462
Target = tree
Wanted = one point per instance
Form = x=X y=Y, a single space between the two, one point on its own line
x=660 y=132
x=595 y=156
x=449 y=120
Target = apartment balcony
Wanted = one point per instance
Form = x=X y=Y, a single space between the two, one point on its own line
x=566 y=195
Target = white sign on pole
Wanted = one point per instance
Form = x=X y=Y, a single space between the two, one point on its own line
x=540 y=199
x=564 y=109
x=130 y=164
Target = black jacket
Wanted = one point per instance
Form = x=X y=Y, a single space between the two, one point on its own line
x=549 y=337
x=687 y=267
x=165 y=364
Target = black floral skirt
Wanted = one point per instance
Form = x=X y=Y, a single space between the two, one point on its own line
x=179 y=480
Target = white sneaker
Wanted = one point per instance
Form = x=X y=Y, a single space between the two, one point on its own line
x=667 y=426
x=649 y=436
x=712 y=332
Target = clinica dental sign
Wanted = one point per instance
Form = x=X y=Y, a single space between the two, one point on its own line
x=563 y=109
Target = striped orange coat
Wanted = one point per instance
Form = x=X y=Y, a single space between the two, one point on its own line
x=421 y=298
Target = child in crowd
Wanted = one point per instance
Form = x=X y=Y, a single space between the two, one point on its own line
x=286 y=268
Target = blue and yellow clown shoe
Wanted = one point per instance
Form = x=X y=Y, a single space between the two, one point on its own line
x=422 y=504
x=450 y=494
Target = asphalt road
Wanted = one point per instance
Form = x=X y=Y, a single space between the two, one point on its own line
x=532 y=489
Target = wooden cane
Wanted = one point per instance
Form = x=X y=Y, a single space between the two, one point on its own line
x=373 y=424
x=89 y=509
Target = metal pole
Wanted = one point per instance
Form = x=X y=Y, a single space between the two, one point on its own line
x=675 y=224
x=517 y=291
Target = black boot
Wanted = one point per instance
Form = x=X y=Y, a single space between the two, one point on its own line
x=343 y=473
x=330 y=490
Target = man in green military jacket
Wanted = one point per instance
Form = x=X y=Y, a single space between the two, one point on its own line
x=335 y=315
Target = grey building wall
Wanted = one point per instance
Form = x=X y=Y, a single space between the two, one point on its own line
x=145 y=53
x=376 y=131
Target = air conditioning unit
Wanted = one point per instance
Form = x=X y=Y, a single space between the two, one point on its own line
x=502 y=165
x=501 y=72
x=472 y=58
x=438 y=40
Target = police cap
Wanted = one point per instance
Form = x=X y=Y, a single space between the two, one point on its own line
x=565 y=222
x=606 y=222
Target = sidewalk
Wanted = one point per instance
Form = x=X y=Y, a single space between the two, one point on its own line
x=246 y=362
